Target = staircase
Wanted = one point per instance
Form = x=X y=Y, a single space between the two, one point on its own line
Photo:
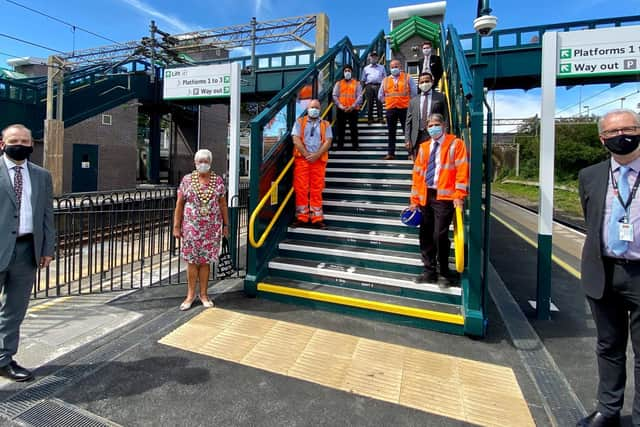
x=366 y=261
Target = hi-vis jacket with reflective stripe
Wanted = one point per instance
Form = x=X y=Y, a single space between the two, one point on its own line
x=347 y=91
x=453 y=179
x=397 y=93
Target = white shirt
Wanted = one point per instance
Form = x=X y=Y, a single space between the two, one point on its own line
x=26 y=211
x=426 y=64
x=423 y=126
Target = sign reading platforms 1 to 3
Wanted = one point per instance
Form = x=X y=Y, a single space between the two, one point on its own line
x=601 y=52
x=205 y=81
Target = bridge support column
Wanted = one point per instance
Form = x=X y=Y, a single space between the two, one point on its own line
x=322 y=35
x=53 y=158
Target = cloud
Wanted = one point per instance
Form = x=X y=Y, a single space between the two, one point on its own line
x=514 y=104
x=173 y=21
x=263 y=9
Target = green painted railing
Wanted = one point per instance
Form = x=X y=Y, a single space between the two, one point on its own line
x=465 y=117
x=271 y=144
x=531 y=37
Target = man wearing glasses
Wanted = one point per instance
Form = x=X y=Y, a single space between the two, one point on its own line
x=311 y=139
x=611 y=261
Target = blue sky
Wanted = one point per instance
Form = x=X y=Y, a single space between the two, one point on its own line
x=124 y=20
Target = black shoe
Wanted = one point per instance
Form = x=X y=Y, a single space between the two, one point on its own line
x=356 y=148
x=320 y=225
x=15 y=372
x=598 y=419
x=427 y=277
x=298 y=223
x=451 y=276
x=369 y=122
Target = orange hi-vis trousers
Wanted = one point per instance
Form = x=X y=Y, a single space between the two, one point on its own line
x=308 y=183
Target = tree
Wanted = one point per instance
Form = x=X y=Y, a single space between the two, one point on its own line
x=577 y=146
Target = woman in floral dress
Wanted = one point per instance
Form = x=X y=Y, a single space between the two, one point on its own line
x=200 y=220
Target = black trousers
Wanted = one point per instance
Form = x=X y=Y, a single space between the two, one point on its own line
x=434 y=233
x=423 y=135
x=615 y=314
x=393 y=116
x=371 y=95
x=342 y=119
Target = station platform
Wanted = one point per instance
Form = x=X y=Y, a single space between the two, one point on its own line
x=133 y=359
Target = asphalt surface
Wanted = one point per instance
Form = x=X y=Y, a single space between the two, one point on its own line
x=127 y=377
x=570 y=334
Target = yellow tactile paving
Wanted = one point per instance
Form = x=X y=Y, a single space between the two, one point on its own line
x=461 y=389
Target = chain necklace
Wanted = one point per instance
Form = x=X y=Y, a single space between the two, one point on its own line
x=204 y=194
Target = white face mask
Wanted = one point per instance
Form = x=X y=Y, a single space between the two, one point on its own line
x=203 y=167
x=425 y=87
x=347 y=75
x=314 y=113
x=426 y=51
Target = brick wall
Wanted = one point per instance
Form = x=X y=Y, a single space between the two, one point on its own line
x=117 y=154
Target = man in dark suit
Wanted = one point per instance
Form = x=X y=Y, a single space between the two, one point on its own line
x=431 y=63
x=420 y=108
x=611 y=261
x=27 y=239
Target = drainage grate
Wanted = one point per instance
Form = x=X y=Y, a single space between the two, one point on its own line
x=27 y=399
x=55 y=413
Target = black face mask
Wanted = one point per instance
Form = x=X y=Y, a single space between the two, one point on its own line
x=18 y=152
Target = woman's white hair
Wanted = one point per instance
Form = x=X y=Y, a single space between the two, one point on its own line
x=202 y=154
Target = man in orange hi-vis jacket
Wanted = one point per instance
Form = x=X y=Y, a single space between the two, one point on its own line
x=440 y=184
x=312 y=140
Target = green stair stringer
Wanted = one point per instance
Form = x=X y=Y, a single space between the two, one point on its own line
x=415 y=26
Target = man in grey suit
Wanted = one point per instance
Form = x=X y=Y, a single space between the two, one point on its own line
x=611 y=261
x=420 y=108
x=27 y=239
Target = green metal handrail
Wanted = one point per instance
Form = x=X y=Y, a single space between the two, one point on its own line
x=466 y=98
x=319 y=77
x=497 y=37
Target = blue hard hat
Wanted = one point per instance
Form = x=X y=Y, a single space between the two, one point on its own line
x=412 y=218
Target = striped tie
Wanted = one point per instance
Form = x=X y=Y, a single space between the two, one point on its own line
x=431 y=167
x=17 y=187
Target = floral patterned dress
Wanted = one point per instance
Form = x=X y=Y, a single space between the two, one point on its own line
x=201 y=234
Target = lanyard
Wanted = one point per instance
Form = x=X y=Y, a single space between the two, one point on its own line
x=632 y=195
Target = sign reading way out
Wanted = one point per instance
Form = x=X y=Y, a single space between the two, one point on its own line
x=601 y=52
x=205 y=81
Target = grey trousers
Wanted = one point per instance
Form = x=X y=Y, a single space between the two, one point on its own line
x=16 y=283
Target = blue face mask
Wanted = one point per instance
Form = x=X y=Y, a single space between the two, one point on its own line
x=395 y=71
x=314 y=113
x=435 y=131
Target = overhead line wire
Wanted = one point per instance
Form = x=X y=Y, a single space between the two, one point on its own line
x=586 y=99
x=31 y=43
x=74 y=27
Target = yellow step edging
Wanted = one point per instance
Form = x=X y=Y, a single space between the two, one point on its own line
x=437 y=316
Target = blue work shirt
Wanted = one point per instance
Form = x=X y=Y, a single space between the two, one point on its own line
x=311 y=138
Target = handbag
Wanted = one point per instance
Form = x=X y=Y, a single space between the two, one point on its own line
x=225 y=265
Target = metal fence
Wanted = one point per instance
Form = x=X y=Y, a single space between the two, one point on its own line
x=121 y=240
